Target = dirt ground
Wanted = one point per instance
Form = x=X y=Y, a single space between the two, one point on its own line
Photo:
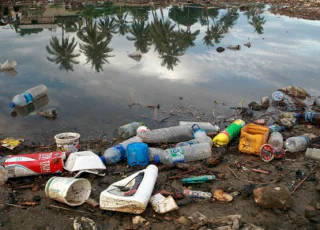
x=283 y=171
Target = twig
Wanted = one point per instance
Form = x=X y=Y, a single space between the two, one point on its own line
x=303 y=180
x=71 y=210
x=248 y=180
x=13 y=205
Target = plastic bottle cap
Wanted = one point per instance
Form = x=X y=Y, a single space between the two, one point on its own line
x=12 y=105
x=156 y=159
x=103 y=159
x=283 y=128
x=277 y=96
x=298 y=115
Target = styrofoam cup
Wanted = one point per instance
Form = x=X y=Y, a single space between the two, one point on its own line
x=71 y=191
x=67 y=142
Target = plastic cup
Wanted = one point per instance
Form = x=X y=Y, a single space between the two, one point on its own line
x=67 y=142
x=71 y=191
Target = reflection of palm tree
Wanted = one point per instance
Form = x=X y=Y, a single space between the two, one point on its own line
x=187 y=38
x=167 y=42
x=108 y=27
x=122 y=23
x=95 y=46
x=63 y=53
x=257 y=21
x=140 y=35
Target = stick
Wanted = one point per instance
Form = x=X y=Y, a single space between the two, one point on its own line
x=303 y=180
x=67 y=209
x=250 y=182
x=13 y=205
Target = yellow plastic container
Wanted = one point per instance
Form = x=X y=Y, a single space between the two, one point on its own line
x=252 y=138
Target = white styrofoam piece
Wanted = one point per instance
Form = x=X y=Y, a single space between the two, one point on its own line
x=83 y=160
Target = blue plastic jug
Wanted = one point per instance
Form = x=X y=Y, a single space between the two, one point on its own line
x=137 y=154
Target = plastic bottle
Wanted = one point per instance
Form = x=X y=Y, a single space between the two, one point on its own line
x=29 y=96
x=182 y=154
x=198 y=133
x=117 y=153
x=207 y=126
x=129 y=130
x=276 y=128
x=225 y=136
x=276 y=140
x=309 y=117
x=196 y=141
x=166 y=135
x=313 y=154
x=296 y=144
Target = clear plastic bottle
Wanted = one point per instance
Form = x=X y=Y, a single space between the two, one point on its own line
x=296 y=144
x=196 y=141
x=166 y=135
x=129 y=130
x=207 y=126
x=183 y=154
x=117 y=153
x=276 y=140
x=29 y=96
x=313 y=154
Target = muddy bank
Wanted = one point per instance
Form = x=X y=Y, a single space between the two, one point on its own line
x=46 y=213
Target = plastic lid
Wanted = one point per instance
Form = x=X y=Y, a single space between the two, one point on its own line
x=103 y=159
x=12 y=105
x=277 y=96
x=157 y=159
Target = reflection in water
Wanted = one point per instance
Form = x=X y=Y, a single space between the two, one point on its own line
x=172 y=34
x=62 y=53
x=255 y=18
x=140 y=34
x=95 y=45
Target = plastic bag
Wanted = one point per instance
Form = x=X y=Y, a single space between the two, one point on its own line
x=8 y=65
x=252 y=138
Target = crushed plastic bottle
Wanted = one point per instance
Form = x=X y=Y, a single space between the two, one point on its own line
x=8 y=65
x=166 y=135
x=313 y=154
x=117 y=153
x=207 y=126
x=296 y=144
x=129 y=130
x=225 y=136
x=182 y=154
x=29 y=96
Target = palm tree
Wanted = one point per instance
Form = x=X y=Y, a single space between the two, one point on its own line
x=108 y=27
x=122 y=23
x=140 y=35
x=95 y=46
x=63 y=54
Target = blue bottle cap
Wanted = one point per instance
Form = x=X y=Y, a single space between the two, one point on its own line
x=298 y=115
x=12 y=105
x=282 y=128
x=103 y=159
x=157 y=159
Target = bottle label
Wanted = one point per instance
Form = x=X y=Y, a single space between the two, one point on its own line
x=177 y=155
x=121 y=150
x=28 y=97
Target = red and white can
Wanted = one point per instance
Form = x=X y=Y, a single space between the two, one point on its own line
x=32 y=164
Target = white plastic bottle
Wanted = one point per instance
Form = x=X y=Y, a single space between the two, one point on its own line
x=166 y=135
x=182 y=154
x=296 y=144
x=129 y=130
x=207 y=126
x=29 y=96
x=276 y=140
x=116 y=153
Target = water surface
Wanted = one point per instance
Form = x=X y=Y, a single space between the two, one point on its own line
x=92 y=81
